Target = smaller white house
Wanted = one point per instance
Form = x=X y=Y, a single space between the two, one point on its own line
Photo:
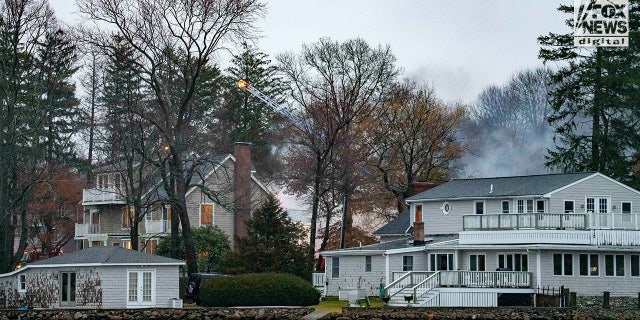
x=94 y=278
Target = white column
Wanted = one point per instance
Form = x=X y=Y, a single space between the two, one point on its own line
x=386 y=268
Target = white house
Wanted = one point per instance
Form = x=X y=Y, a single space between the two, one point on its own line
x=481 y=242
x=94 y=278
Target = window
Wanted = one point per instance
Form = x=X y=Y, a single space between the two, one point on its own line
x=520 y=208
x=626 y=207
x=505 y=206
x=335 y=267
x=602 y=204
x=441 y=261
x=635 y=265
x=206 y=214
x=479 y=207
x=407 y=263
x=141 y=288
x=529 y=205
x=597 y=205
x=127 y=217
x=126 y=244
x=589 y=265
x=22 y=283
x=591 y=205
x=540 y=206
x=477 y=262
x=68 y=288
x=562 y=264
x=614 y=265
x=367 y=264
x=418 y=213
x=513 y=261
x=569 y=206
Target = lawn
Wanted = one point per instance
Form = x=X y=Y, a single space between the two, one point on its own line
x=332 y=304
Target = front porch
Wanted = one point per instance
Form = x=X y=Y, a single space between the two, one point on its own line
x=479 y=288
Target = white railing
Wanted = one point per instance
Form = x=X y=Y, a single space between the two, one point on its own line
x=82 y=230
x=515 y=221
x=156 y=226
x=106 y=195
x=407 y=280
x=425 y=286
x=619 y=221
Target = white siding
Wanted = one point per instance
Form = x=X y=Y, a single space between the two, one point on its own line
x=594 y=186
x=352 y=274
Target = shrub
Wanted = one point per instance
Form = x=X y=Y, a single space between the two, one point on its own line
x=258 y=289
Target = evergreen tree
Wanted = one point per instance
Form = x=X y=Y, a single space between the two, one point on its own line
x=248 y=119
x=274 y=243
x=55 y=60
x=595 y=103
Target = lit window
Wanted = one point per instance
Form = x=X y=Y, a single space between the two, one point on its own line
x=206 y=214
x=126 y=244
x=589 y=265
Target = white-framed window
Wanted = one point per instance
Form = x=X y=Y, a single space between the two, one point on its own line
x=598 y=204
x=441 y=261
x=625 y=207
x=477 y=262
x=478 y=207
x=520 y=206
x=589 y=265
x=569 y=206
x=335 y=267
x=206 y=213
x=126 y=243
x=614 y=265
x=141 y=288
x=367 y=264
x=108 y=181
x=418 y=213
x=529 y=205
x=506 y=206
x=540 y=206
x=22 y=283
x=635 y=265
x=562 y=264
x=407 y=263
x=513 y=261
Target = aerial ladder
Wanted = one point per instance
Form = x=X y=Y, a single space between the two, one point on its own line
x=245 y=85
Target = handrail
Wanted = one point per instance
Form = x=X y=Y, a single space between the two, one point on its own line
x=430 y=283
x=402 y=282
x=395 y=282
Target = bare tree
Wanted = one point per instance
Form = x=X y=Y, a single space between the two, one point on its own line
x=335 y=85
x=414 y=139
x=176 y=40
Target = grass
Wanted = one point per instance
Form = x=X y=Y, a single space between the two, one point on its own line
x=333 y=305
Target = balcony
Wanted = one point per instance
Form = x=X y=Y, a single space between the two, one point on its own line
x=552 y=228
x=102 y=196
x=84 y=231
x=156 y=226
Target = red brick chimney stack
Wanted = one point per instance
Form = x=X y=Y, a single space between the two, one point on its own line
x=418 y=232
x=242 y=187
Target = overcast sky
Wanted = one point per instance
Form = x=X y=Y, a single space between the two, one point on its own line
x=458 y=46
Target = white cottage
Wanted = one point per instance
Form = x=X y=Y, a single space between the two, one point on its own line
x=492 y=241
x=97 y=277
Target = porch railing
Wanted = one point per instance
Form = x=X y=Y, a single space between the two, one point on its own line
x=551 y=221
x=318 y=279
x=421 y=282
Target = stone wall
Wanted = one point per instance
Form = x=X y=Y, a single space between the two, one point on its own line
x=151 y=314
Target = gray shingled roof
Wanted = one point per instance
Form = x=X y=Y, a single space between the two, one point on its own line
x=397 y=226
x=107 y=255
x=535 y=185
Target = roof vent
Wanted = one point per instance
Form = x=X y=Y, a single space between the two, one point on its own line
x=491 y=190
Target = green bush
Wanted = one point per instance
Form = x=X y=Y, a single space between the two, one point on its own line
x=258 y=289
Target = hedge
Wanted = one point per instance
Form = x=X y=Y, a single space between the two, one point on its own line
x=258 y=289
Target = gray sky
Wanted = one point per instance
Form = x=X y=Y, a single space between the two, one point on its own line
x=458 y=46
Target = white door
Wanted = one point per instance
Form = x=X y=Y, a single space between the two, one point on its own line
x=141 y=288
x=599 y=208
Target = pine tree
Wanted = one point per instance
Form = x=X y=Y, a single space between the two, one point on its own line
x=245 y=117
x=274 y=242
x=595 y=103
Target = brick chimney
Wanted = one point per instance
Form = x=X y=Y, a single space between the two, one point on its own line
x=419 y=186
x=241 y=188
x=418 y=233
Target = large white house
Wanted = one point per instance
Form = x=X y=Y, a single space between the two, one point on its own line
x=480 y=242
